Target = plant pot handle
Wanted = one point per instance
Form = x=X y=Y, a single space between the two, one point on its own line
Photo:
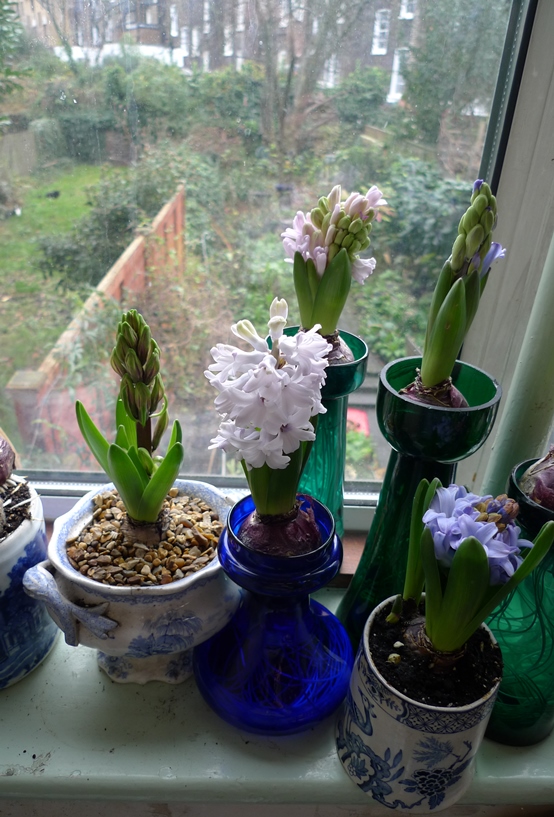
x=40 y=583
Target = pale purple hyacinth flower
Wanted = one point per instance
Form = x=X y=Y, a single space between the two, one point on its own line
x=453 y=517
x=496 y=251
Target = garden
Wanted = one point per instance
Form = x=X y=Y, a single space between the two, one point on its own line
x=114 y=141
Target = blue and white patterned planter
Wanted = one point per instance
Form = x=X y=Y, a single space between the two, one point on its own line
x=141 y=633
x=407 y=755
x=27 y=633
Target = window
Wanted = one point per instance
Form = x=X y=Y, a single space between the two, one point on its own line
x=381 y=32
x=407 y=10
x=226 y=130
x=396 y=88
x=174 y=18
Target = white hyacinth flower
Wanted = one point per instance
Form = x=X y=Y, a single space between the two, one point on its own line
x=266 y=400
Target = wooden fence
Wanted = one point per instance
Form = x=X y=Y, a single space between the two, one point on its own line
x=43 y=403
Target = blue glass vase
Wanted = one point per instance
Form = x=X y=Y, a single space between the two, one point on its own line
x=283 y=662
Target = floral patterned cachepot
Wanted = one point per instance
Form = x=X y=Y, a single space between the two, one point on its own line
x=27 y=633
x=407 y=755
x=141 y=633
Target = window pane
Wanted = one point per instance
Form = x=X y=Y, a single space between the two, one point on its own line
x=257 y=109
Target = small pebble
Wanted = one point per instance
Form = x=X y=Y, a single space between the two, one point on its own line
x=101 y=552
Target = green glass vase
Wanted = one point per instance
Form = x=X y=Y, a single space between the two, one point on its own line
x=323 y=476
x=524 y=627
x=427 y=442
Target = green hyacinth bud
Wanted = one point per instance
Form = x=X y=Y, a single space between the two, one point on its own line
x=333 y=250
x=339 y=236
x=128 y=333
x=143 y=345
x=156 y=393
x=356 y=225
x=344 y=222
x=323 y=203
x=161 y=426
x=347 y=241
x=325 y=223
x=458 y=253
x=117 y=364
x=317 y=217
x=355 y=247
x=474 y=240
x=365 y=244
x=132 y=366
x=487 y=220
x=127 y=394
x=469 y=219
x=152 y=365
x=480 y=203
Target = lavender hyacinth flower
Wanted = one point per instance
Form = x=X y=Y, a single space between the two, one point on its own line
x=455 y=514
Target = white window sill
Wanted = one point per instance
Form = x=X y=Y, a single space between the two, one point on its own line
x=70 y=733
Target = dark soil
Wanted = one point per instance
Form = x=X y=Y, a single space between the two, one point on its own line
x=15 y=498
x=417 y=675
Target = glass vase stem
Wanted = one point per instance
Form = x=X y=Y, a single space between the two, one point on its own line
x=323 y=476
x=381 y=574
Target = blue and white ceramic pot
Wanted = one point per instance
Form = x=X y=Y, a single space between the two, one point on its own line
x=27 y=633
x=141 y=633
x=407 y=755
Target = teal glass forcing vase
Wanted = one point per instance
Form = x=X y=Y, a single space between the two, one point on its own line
x=323 y=475
x=427 y=442
x=524 y=629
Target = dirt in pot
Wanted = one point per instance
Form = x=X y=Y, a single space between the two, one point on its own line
x=415 y=674
x=104 y=550
x=15 y=500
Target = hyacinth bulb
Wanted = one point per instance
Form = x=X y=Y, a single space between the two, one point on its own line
x=538 y=481
x=293 y=534
x=7 y=460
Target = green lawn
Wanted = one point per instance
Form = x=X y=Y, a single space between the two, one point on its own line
x=33 y=313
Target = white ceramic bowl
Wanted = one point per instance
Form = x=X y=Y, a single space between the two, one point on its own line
x=141 y=633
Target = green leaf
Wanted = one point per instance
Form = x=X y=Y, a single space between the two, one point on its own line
x=332 y=293
x=446 y=338
x=413 y=585
x=542 y=545
x=162 y=480
x=128 y=423
x=126 y=479
x=442 y=288
x=176 y=434
x=303 y=290
x=473 y=295
x=433 y=588
x=92 y=436
x=121 y=438
x=466 y=587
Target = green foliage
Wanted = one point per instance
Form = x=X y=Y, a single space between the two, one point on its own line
x=427 y=210
x=389 y=314
x=359 y=97
x=49 y=139
x=10 y=42
x=256 y=275
x=360 y=450
x=230 y=100
x=84 y=132
x=455 y=65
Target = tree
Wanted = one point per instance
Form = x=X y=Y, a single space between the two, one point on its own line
x=296 y=39
x=454 y=63
x=10 y=41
